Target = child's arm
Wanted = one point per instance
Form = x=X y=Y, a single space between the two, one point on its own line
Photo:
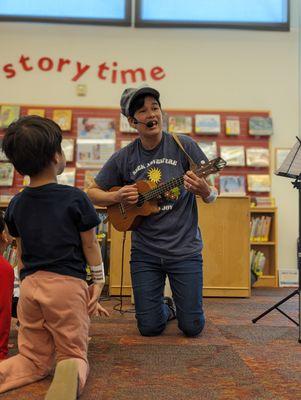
x=92 y=254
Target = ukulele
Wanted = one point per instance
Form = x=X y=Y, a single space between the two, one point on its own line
x=127 y=217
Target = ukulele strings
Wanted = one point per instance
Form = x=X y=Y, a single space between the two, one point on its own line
x=167 y=186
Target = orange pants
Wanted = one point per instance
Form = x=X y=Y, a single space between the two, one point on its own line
x=54 y=326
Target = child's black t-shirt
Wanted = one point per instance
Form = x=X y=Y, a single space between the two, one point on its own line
x=49 y=219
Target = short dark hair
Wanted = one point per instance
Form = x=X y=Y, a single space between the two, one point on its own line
x=139 y=102
x=31 y=142
x=2 y=223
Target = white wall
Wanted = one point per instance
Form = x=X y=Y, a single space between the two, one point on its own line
x=205 y=69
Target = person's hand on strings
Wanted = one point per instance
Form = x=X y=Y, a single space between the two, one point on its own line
x=127 y=195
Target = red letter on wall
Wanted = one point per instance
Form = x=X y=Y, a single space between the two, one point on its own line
x=9 y=70
x=157 y=73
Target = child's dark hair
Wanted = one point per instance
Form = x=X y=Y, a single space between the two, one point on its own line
x=2 y=223
x=139 y=103
x=31 y=142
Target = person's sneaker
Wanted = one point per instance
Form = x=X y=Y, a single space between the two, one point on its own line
x=64 y=385
x=172 y=308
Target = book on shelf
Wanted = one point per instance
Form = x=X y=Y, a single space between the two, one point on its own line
x=6 y=174
x=180 y=124
x=260 y=126
x=259 y=183
x=260 y=228
x=63 y=118
x=232 y=126
x=258 y=157
x=233 y=185
x=8 y=114
x=40 y=112
x=209 y=149
x=257 y=262
x=207 y=124
x=68 y=148
x=96 y=128
x=93 y=153
x=233 y=155
x=262 y=201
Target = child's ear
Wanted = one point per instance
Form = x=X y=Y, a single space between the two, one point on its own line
x=56 y=158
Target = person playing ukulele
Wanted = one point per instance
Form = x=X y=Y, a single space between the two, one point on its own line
x=167 y=242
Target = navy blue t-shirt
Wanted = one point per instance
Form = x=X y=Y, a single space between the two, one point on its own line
x=49 y=219
x=173 y=232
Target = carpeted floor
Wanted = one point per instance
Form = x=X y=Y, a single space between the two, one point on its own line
x=232 y=359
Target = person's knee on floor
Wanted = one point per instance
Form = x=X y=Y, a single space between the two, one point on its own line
x=192 y=328
x=151 y=330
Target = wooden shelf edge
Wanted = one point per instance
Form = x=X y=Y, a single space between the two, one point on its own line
x=262 y=243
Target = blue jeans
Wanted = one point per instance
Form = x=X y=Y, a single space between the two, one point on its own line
x=186 y=281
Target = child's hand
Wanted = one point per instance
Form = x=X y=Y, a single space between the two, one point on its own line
x=94 y=291
x=101 y=310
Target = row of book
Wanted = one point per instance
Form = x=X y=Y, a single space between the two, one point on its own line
x=257 y=262
x=99 y=150
x=228 y=184
x=237 y=156
x=260 y=228
x=236 y=185
x=204 y=124
x=262 y=201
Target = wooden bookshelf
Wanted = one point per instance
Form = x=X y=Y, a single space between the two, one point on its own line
x=269 y=248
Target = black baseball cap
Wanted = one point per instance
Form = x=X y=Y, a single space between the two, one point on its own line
x=130 y=94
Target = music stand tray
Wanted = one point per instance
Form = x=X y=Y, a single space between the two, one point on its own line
x=291 y=168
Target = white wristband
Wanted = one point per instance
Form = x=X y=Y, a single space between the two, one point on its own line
x=212 y=196
x=98 y=273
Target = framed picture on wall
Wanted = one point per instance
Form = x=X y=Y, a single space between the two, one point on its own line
x=280 y=155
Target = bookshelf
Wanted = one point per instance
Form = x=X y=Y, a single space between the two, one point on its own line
x=268 y=246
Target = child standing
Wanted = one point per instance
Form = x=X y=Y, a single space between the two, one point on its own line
x=54 y=226
x=6 y=292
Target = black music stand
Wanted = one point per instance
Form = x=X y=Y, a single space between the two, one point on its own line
x=291 y=168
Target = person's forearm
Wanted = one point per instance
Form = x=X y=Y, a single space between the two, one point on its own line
x=94 y=260
x=92 y=253
x=102 y=198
